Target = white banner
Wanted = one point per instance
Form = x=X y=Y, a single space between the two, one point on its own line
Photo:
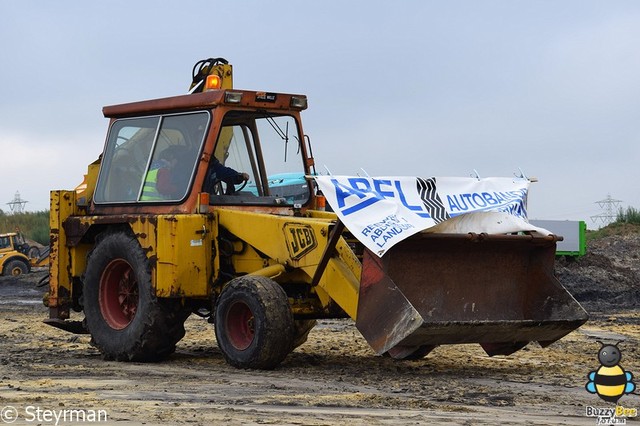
x=382 y=211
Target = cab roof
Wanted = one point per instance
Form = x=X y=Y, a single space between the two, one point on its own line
x=208 y=100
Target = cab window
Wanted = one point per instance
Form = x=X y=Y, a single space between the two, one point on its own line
x=5 y=242
x=151 y=159
x=257 y=160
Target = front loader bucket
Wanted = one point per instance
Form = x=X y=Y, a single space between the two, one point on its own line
x=433 y=289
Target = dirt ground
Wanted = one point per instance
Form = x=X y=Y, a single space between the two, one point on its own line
x=334 y=378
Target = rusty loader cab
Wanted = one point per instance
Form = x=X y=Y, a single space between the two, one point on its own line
x=191 y=209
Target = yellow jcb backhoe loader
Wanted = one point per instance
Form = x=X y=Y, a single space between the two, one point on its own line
x=209 y=203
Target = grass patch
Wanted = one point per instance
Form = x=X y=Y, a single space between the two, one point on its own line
x=33 y=225
x=615 y=228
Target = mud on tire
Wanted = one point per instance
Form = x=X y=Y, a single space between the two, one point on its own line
x=253 y=323
x=15 y=268
x=126 y=320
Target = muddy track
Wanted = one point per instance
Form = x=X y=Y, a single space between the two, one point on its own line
x=334 y=378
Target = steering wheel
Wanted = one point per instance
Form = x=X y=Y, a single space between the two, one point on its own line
x=242 y=185
x=230 y=187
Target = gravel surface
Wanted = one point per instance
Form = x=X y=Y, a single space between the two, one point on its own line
x=334 y=378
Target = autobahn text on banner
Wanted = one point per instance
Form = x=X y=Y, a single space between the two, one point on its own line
x=382 y=211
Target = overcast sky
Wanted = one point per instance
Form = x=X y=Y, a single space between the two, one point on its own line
x=425 y=88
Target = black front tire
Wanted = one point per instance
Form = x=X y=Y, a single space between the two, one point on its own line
x=126 y=320
x=15 y=268
x=253 y=323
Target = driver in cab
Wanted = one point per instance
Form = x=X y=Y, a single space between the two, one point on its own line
x=221 y=173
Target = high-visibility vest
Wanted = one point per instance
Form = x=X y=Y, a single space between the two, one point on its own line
x=150 y=190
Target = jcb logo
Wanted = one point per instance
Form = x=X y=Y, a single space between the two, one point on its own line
x=300 y=239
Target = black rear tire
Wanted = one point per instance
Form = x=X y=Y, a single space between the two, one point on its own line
x=126 y=320
x=15 y=268
x=253 y=323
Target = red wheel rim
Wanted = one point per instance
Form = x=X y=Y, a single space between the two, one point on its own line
x=118 y=296
x=240 y=325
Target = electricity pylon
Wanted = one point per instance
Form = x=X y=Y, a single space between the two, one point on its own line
x=17 y=205
x=610 y=209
